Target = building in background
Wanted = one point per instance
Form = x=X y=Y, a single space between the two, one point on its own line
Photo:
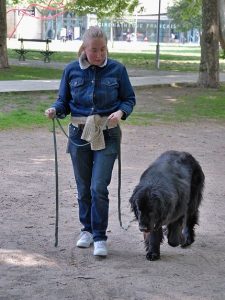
x=59 y=25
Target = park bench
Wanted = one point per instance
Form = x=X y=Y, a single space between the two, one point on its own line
x=22 y=52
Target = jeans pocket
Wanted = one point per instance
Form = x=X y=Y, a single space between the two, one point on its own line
x=74 y=140
x=112 y=140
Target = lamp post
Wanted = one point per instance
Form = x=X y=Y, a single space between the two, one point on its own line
x=158 y=29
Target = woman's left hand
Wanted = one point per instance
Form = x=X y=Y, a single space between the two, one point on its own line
x=115 y=117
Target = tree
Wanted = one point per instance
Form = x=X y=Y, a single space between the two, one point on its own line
x=203 y=14
x=3 y=33
x=221 y=7
x=209 y=65
x=186 y=14
x=102 y=8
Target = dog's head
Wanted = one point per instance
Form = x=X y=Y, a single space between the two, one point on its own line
x=146 y=206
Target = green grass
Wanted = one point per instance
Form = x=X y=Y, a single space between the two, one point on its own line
x=29 y=73
x=26 y=110
x=172 y=58
x=200 y=104
x=132 y=60
x=57 y=56
x=169 y=59
x=210 y=105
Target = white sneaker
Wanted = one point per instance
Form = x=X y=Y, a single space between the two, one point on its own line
x=100 y=248
x=85 y=240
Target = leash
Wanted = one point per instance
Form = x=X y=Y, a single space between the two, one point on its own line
x=56 y=185
x=57 y=178
x=119 y=185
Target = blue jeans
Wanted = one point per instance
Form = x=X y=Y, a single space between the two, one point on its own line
x=93 y=172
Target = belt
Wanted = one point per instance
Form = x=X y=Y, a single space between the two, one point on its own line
x=80 y=122
x=79 y=126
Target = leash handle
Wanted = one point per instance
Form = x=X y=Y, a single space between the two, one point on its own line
x=56 y=185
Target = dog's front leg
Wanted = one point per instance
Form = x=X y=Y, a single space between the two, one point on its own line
x=152 y=244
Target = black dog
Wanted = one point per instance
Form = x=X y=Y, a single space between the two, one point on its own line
x=169 y=194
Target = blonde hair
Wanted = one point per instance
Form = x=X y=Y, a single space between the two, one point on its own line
x=92 y=32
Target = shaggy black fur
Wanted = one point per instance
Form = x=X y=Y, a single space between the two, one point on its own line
x=169 y=194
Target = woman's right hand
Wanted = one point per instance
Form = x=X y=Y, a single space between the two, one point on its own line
x=50 y=113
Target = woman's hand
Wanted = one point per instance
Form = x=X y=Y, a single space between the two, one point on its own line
x=115 y=117
x=50 y=113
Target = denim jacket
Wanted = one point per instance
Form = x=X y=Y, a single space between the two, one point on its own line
x=95 y=90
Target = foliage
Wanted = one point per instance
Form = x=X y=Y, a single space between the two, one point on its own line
x=27 y=2
x=102 y=8
x=186 y=14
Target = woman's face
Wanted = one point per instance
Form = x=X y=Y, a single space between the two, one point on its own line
x=96 y=51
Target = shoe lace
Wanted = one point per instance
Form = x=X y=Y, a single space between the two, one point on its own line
x=101 y=243
x=85 y=234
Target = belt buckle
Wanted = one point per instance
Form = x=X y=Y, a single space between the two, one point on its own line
x=81 y=126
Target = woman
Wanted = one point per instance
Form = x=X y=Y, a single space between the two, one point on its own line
x=97 y=92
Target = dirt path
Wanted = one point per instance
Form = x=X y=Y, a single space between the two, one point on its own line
x=32 y=268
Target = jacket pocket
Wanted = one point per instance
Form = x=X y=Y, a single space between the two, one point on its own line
x=110 y=82
x=110 y=91
x=77 y=82
x=77 y=88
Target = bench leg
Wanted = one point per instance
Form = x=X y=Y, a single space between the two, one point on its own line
x=47 y=55
x=47 y=59
x=21 y=54
x=22 y=57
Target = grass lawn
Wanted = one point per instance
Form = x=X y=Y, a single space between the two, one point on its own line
x=29 y=73
x=26 y=110
x=181 y=59
x=170 y=58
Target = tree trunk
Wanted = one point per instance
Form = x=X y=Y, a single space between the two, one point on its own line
x=209 y=65
x=3 y=34
x=221 y=4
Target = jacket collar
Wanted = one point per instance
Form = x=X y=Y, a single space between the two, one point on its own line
x=84 y=63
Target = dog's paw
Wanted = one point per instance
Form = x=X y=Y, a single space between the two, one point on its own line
x=186 y=243
x=152 y=256
x=173 y=243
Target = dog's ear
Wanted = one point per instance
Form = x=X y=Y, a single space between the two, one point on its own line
x=151 y=199
x=133 y=201
x=156 y=201
x=153 y=194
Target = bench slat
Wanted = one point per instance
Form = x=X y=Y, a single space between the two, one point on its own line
x=35 y=40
